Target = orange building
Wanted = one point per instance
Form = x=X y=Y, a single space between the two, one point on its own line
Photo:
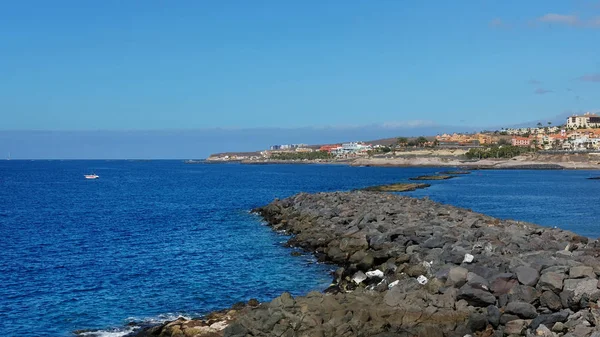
x=521 y=141
x=328 y=148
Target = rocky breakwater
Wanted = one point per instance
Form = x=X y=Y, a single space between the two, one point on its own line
x=413 y=267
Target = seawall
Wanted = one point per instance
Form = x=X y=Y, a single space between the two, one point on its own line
x=413 y=267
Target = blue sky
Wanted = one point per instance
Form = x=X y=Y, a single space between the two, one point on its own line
x=136 y=65
x=288 y=71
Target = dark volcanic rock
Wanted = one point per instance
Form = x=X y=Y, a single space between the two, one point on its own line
x=521 y=309
x=527 y=276
x=413 y=267
x=493 y=315
x=550 y=320
x=552 y=281
x=550 y=300
x=476 y=297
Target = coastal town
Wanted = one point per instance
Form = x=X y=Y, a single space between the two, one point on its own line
x=579 y=134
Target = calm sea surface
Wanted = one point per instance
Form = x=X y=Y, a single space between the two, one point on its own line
x=153 y=240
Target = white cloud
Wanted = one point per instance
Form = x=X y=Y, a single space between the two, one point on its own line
x=571 y=20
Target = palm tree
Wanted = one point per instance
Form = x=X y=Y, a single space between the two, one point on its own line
x=402 y=141
x=421 y=141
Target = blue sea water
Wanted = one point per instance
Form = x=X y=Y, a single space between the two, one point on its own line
x=153 y=240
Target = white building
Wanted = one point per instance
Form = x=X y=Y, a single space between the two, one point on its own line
x=351 y=148
x=587 y=120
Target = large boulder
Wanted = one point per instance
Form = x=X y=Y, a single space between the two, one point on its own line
x=587 y=288
x=521 y=309
x=503 y=283
x=527 y=276
x=550 y=300
x=551 y=281
x=550 y=320
x=475 y=296
x=457 y=277
x=581 y=272
x=493 y=315
x=516 y=327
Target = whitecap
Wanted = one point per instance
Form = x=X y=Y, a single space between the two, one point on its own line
x=109 y=332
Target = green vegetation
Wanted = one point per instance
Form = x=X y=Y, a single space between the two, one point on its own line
x=505 y=151
x=402 y=141
x=503 y=141
x=384 y=149
x=399 y=187
x=301 y=155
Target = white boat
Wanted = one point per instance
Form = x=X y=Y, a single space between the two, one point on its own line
x=91 y=176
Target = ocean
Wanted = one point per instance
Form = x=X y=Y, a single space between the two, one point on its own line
x=152 y=240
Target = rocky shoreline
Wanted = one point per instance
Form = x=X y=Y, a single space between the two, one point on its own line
x=526 y=162
x=413 y=267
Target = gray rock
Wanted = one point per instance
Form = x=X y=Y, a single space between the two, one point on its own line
x=477 y=322
x=457 y=277
x=502 y=284
x=235 y=329
x=522 y=293
x=521 y=309
x=477 y=281
x=551 y=281
x=476 y=297
x=505 y=318
x=285 y=300
x=493 y=315
x=543 y=331
x=550 y=300
x=581 y=272
x=583 y=287
x=502 y=300
x=564 y=254
x=581 y=330
x=549 y=320
x=527 y=275
x=558 y=327
x=567 y=300
x=556 y=269
x=394 y=297
x=516 y=327
x=434 y=242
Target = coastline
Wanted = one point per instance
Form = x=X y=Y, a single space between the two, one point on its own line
x=537 y=161
x=424 y=268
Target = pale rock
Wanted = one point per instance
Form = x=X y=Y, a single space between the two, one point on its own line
x=558 y=327
x=581 y=272
x=422 y=280
x=543 y=331
x=457 y=276
x=515 y=327
x=582 y=287
x=468 y=258
x=551 y=281
x=375 y=273
x=359 y=277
